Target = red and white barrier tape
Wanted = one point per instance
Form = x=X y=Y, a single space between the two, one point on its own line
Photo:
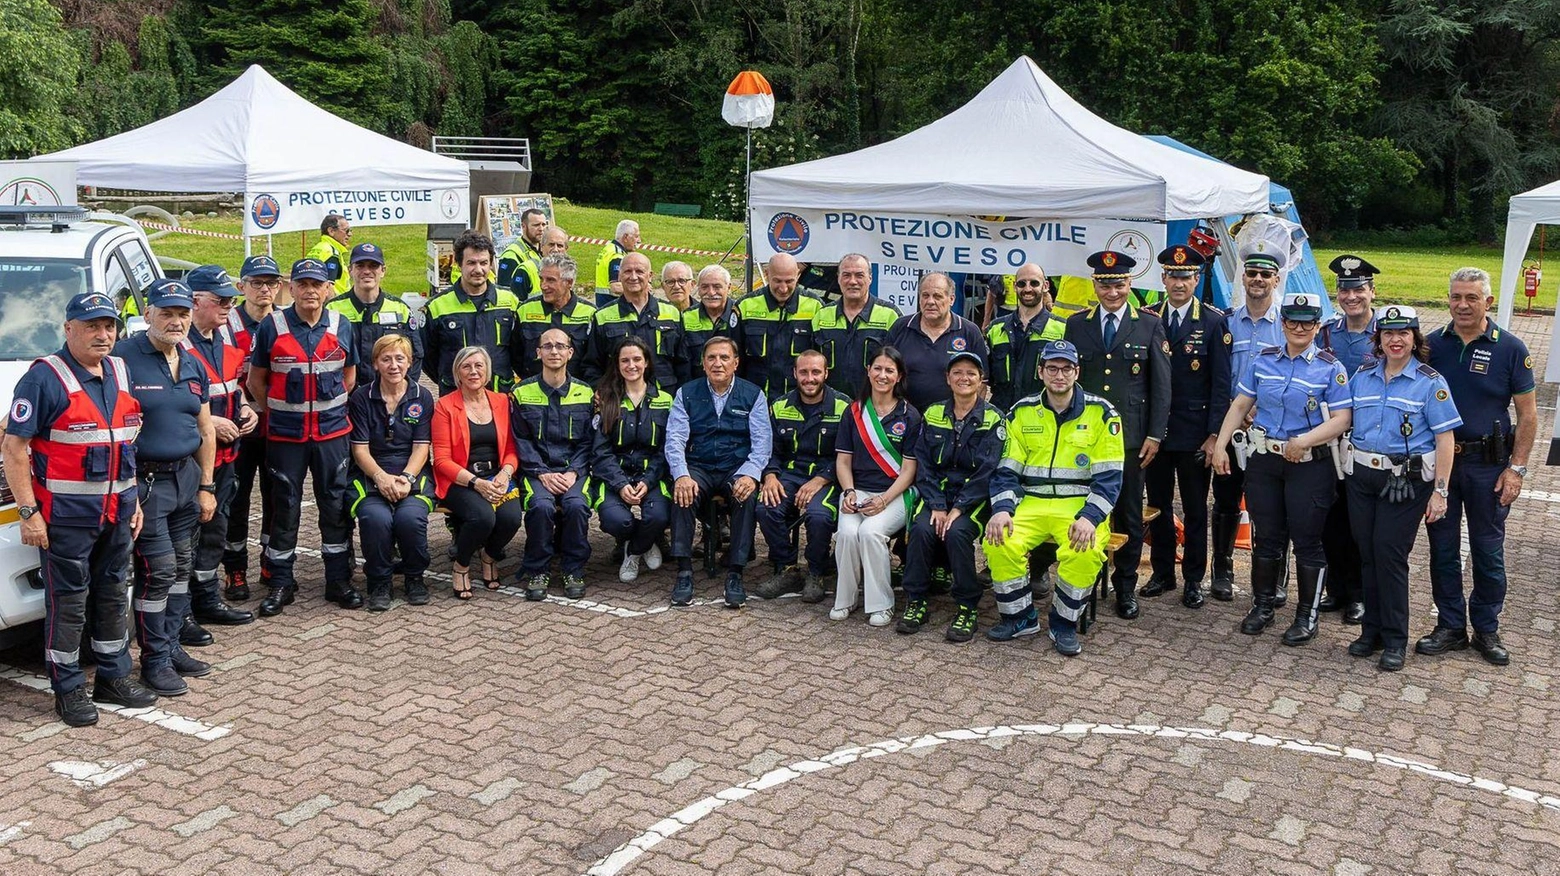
x=220 y=235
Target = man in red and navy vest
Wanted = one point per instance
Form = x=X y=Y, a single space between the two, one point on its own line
x=301 y=370
x=211 y=341
x=73 y=412
x=260 y=281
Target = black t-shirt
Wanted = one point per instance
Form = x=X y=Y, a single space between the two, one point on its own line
x=903 y=428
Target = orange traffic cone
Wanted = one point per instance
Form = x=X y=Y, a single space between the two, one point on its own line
x=1243 y=532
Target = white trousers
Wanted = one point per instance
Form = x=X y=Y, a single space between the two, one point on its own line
x=861 y=550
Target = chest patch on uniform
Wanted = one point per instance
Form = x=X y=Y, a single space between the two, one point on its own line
x=898 y=428
x=1138 y=369
x=452 y=324
x=1001 y=433
x=414 y=412
x=731 y=320
x=1196 y=363
x=21 y=411
x=959 y=343
x=1081 y=460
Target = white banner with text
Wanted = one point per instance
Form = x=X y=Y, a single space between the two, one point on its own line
x=277 y=212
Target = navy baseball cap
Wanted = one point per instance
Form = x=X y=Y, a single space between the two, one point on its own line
x=1060 y=350
x=259 y=266
x=310 y=269
x=367 y=252
x=966 y=356
x=91 y=305
x=211 y=279
x=169 y=293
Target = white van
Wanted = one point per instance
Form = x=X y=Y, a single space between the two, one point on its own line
x=48 y=255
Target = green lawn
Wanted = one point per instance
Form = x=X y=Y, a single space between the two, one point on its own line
x=405 y=246
x=1416 y=275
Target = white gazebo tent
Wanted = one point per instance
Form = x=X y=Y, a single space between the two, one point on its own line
x=1021 y=147
x=1541 y=206
x=293 y=161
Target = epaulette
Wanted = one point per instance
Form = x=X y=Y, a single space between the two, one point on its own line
x=1270 y=351
x=1428 y=371
x=1326 y=356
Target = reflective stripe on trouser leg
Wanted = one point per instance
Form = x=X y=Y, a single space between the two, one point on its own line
x=1013 y=596
x=1036 y=522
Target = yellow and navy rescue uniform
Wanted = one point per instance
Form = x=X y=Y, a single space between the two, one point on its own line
x=519 y=269
x=536 y=317
x=390 y=437
x=1015 y=354
x=804 y=439
x=698 y=327
x=770 y=335
x=385 y=315
x=553 y=434
x=632 y=452
x=954 y=465
x=849 y=343
x=336 y=257
x=659 y=325
x=454 y=319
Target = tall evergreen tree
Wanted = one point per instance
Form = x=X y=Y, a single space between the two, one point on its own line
x=37 y=79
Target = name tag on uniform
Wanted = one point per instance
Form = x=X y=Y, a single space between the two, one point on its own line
x=389 y=318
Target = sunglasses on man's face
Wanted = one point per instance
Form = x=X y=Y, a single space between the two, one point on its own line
x=1027 y=284
x=1265 y=275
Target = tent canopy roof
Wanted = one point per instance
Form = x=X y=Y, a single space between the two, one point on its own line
x=258 y=135
x=1022 y=147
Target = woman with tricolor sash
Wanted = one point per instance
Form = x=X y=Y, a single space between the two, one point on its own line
x=875 y=466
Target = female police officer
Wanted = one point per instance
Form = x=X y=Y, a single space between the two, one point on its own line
x=1302 y=399
x=1402 y=440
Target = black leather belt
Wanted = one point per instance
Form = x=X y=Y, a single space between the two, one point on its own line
x=1470 y=447
x=482 y=469
x=151 y=466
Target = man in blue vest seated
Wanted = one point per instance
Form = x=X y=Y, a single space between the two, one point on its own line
x=717 y=441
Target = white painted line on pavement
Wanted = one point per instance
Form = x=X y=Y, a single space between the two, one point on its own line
x=166 y=720
x=10 y=832
x=86 y=774
x=689 y=815
x=1539 y=496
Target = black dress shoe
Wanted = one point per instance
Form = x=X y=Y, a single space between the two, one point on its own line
x=221 y=614
x=193 y=635
x=164 y=682
x=349 y=598
x=1391 y=660
x=1193 y=596
x=75 y=708
x=1364 y=646
x=1157 y=585
x=1354 y=613
x=1329 y=602
x=275 y=600
x=1126 y=604
x=125 y=692
x=188 y=666
x=1223 y=589
x=1488 y=645
x=1441 y=640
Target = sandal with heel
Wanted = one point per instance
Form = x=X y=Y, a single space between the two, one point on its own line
x=490 y=578
x=458 y=577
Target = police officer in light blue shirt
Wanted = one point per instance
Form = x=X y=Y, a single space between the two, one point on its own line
x=1251 y=327
x=1302 y=402
x=1404 y=419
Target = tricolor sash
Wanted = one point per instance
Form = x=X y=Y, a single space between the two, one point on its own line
x=883 y=453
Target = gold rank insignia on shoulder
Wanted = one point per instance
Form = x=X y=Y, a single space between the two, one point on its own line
x=1196 y=364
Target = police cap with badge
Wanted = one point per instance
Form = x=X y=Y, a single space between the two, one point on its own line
x=310 y=269
x=170 y=293
x=1111 y=265
x=1259 y=259
x=1060 y=350
x=87 y=306
x=1181 y=260
x=1397 y=316
x=1301 y=307
x=259 y=266
x=1353 y=272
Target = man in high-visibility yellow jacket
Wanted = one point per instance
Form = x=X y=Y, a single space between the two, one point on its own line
x=1059 y=477
x=520 y=262
x=334 y=248
x=625 y=239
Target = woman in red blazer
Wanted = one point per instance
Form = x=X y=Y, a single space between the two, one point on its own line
x=473 y=463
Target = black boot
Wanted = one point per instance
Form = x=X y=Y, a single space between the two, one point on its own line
x=276 y=598
x=192 y=635
x=1193 y=597
x=344 y=595
x=1159 y=583
x=1303 y=629
x=379 y=595
x=1281 y=591
x=1224 y=528
x=1264 y=581
x=207 y=606
x=416 y=590
x=1126 y=600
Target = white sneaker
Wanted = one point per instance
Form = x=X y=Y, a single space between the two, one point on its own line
x=839 y=613
x=881 y=618
x=629 y=571
x=653 y=557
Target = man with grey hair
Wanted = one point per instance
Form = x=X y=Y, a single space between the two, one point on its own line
x=677 y=284
x=850 y=331
x=555 y=241
x=1487 y=369
x=624 y=241
x=713 y=315
x=929 y=337
x=557 y=307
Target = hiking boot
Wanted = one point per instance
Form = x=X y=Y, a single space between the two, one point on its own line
x=379 y=596
x=914 y=617
x=536 y=588
x=75 y=708
x=783 y=581
x=237 y=586
x=962 y=629
x=736 y=596
x=1014 y=625
x=574 y=586
x=812 y=591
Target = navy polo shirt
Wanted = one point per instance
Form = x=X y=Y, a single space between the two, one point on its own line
x=1483 y=376
x=307 y=335
x=170 y=409
x=40 y=399
x=926 y=361
x=390 y=437
x=903 y=426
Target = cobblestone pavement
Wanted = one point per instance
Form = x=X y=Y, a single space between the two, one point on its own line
x=505 y=736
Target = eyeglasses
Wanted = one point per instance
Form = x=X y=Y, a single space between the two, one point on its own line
x=222 y=300
x=1027 y=284
x=1266 y=275
x=264 y=283
x=1059 y=369
x=1301 y=325
x=555 y=348
x=679 y=281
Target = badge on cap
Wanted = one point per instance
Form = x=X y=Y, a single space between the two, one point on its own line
x=1108 y=259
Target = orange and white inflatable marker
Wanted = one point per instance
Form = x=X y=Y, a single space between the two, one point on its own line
x=750 y=102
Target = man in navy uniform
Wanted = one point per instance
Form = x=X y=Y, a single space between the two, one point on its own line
x=1488 y=370
x=1124 y=358
x=1199 y=399
x=78 y=504
x=928 y=337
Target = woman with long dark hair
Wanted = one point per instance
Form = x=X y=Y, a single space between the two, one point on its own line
x=876 y=467
x=627 y=463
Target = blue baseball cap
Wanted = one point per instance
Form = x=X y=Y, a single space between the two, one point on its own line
x=1060 y=350
x=367 y=252
x=310 y=269
x=91 y=305
x=211 y=279
x=966 y=356
x=169 y=293
x=259 y=266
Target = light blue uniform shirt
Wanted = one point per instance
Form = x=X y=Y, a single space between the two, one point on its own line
x=1249 y=336
x=1418 y=400
x=761 y=441
x=1353 y=349
x=1290 y=391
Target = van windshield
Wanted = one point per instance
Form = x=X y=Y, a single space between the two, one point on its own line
x=33 y=295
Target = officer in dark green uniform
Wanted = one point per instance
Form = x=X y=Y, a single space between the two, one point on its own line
x=556 y=307
x=472 y=312
x=373 y=313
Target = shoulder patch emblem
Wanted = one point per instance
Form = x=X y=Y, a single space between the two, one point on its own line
x=1114 y=428
x=1342 y=380
x=1528 y=363
x=1165 y=345
x=1442 y=395
x=732 y=319
x=21 y=411
x=1228 y=339
x=1001 y=432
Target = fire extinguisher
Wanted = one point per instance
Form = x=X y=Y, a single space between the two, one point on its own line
x=1532 y=276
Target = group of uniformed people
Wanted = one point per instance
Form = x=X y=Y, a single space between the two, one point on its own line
x=842 y=422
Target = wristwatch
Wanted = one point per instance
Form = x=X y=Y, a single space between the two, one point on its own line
x=209 y=488
x=1443 y=492
x=409 y=476
x=27 y=511
x=1521 y=470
